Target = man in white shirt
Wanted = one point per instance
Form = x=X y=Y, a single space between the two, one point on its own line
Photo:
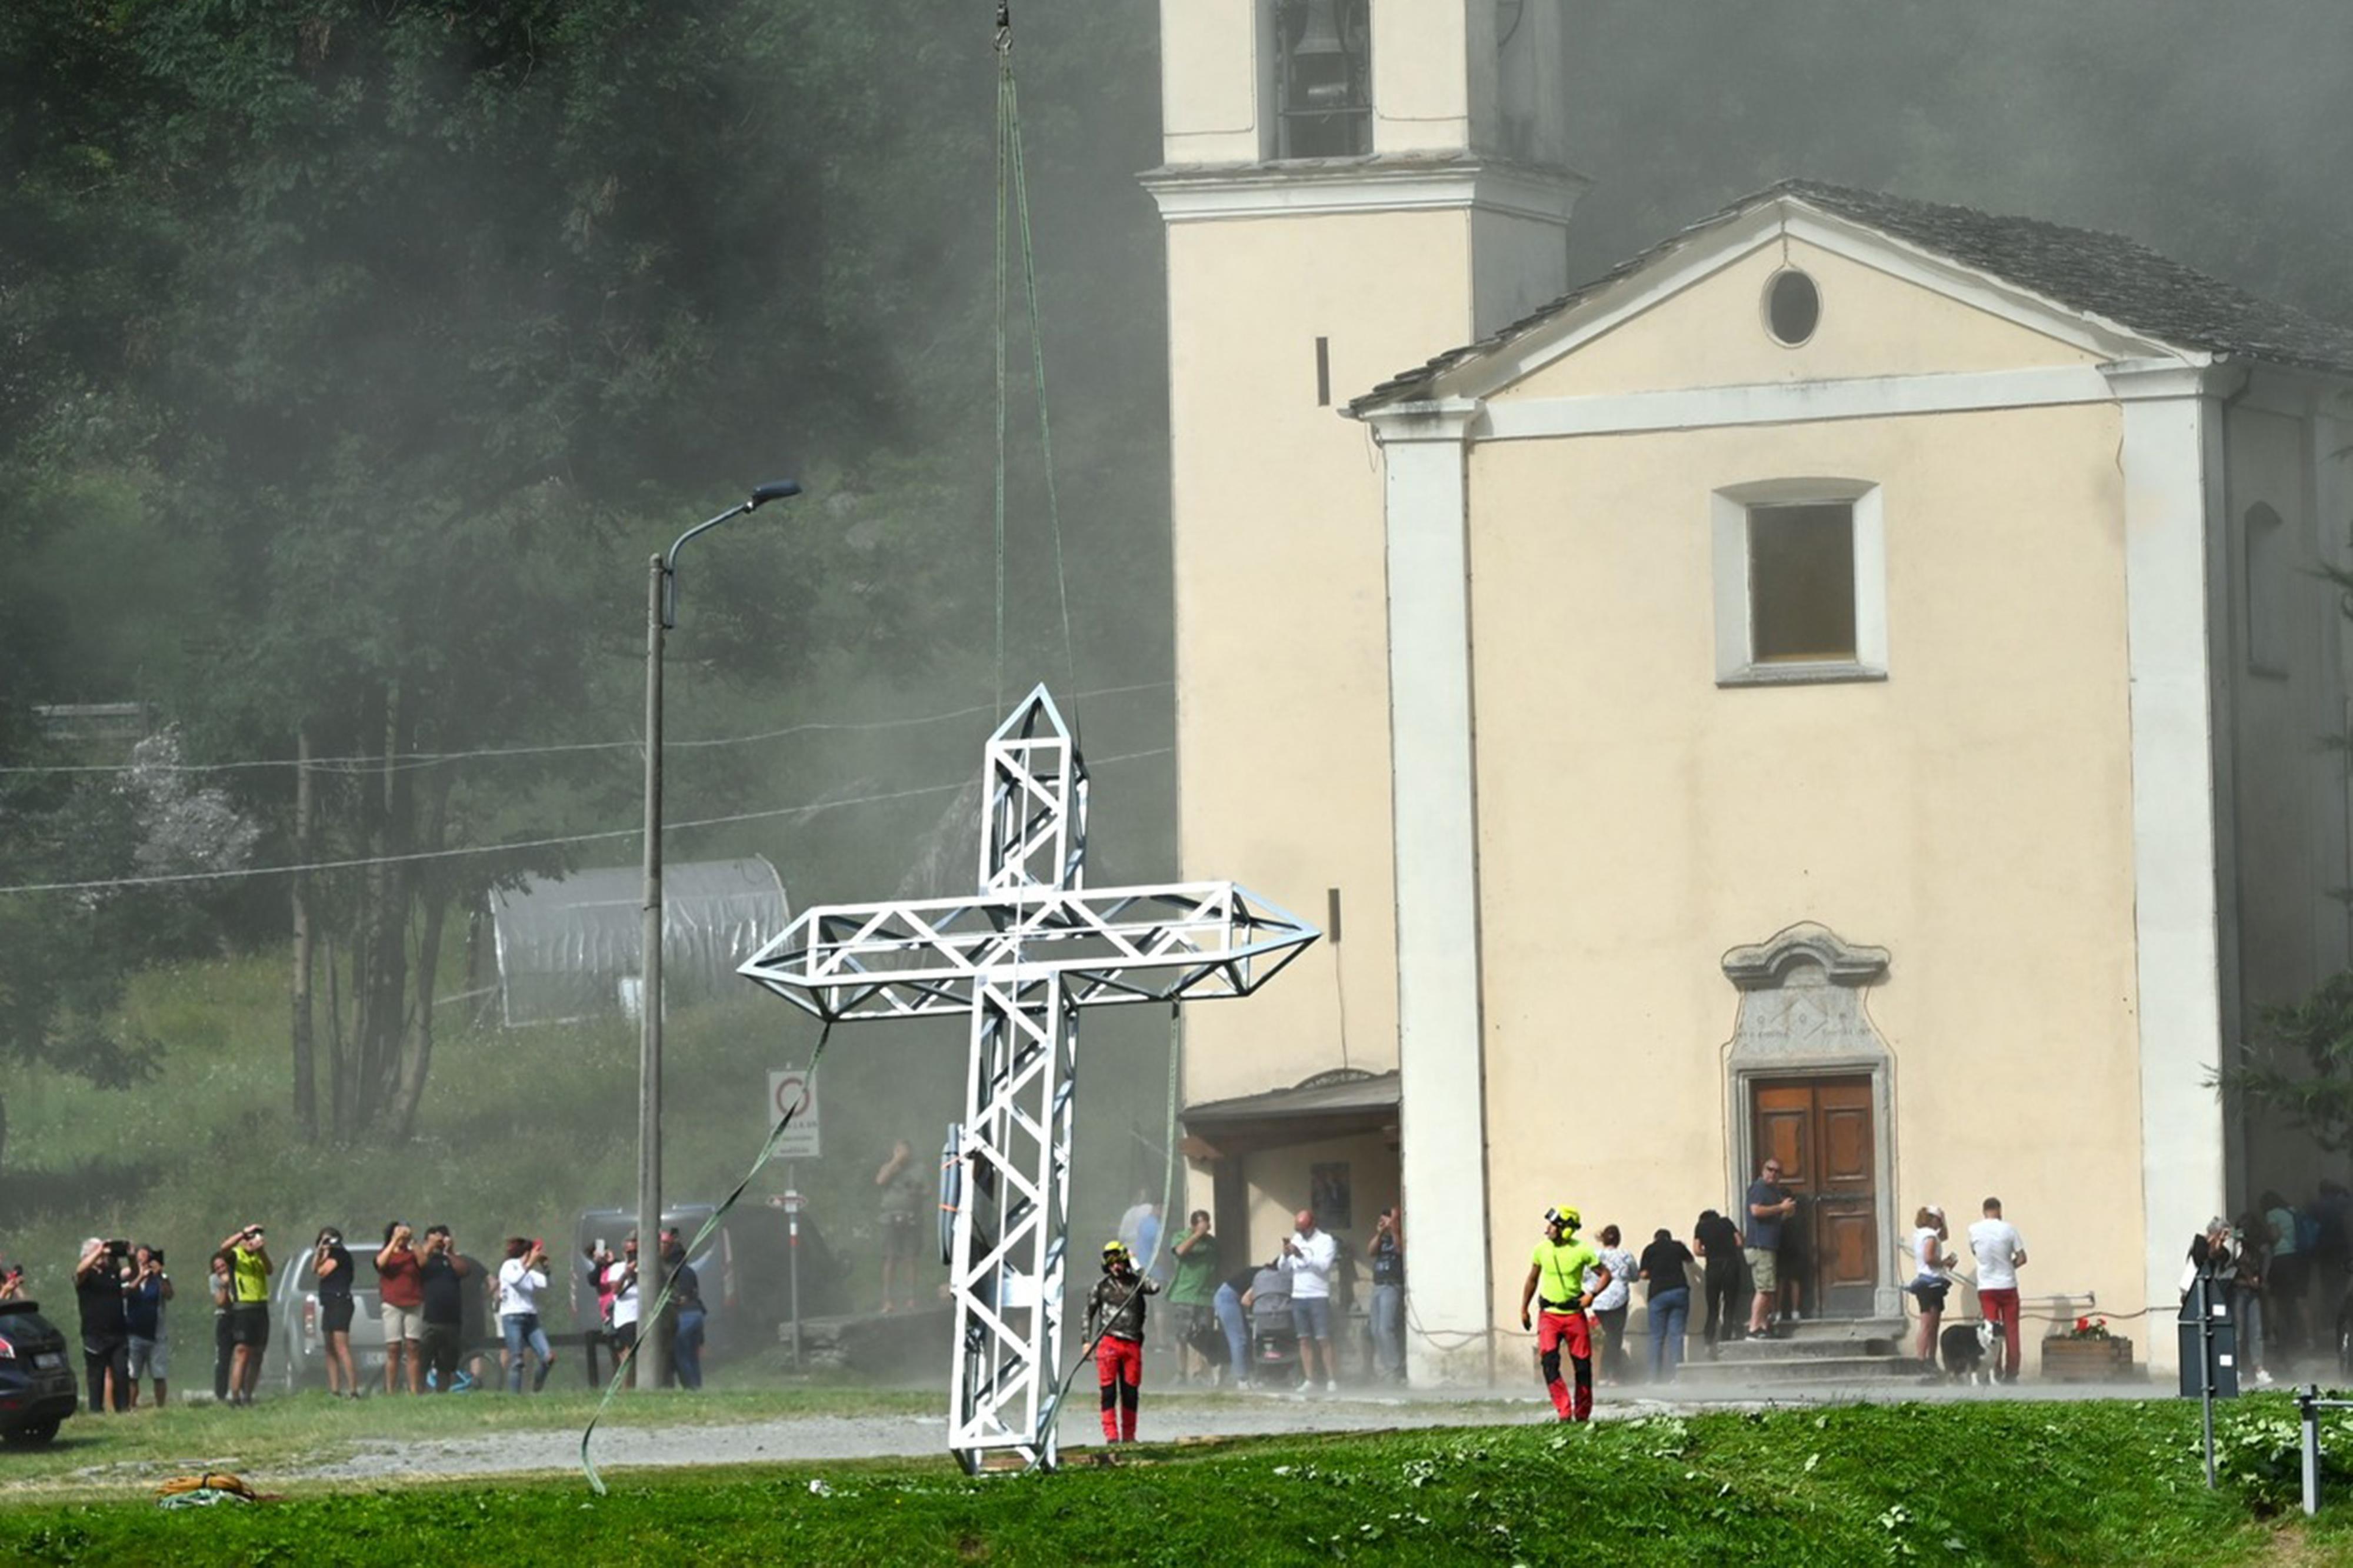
x=1308 y=1254
x=2000 y=1251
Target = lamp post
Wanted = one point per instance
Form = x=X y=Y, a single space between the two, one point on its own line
x=661 y=614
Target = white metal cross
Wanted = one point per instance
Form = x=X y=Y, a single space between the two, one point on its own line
x=1019 y=959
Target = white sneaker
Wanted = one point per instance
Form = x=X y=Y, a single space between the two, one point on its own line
x=1332 y=1388
x=2263 y=1377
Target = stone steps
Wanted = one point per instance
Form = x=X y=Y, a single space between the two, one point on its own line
x=1834 y=1352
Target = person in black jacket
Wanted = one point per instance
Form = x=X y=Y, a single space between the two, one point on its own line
x=1718 y=1242
x=1117 y=1301
x=105 y=1326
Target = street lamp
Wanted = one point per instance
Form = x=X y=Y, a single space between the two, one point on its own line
x=661 y=614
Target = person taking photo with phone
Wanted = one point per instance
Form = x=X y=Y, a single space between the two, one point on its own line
x=249 y=1270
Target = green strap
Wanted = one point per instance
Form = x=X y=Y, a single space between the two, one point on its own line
x=646 y=1316
x=1012 y=170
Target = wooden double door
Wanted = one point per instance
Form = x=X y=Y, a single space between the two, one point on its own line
x=1822 y=1131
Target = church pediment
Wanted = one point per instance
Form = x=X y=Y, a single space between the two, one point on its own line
x=2064 y=295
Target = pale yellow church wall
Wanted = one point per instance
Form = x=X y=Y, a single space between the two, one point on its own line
x=1423 y=77
x=2289 y=794
x=1281 y=605
x=1211 y=82
x=1973 y=813
x=1711 y=334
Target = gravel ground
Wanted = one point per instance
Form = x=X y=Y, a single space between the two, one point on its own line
x=803 y=1438
x=1179 y=1418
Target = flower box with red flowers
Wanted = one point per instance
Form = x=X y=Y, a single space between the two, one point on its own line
x=2085 y=1352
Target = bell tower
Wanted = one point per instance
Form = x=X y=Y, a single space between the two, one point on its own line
x=1349 y=187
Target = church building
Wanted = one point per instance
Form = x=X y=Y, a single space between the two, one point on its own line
x=1843 y=685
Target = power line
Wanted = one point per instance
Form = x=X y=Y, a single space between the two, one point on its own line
x=811 y=810
x=403 y=761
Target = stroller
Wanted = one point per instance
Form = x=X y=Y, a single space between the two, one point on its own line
x=1274 y=1342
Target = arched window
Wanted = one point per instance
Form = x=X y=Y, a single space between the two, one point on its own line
x=2264 y=590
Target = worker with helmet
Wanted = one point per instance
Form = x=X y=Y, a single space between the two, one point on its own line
x=1556 y=1283
x=1117 y=1303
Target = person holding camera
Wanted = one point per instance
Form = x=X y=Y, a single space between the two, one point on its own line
x=400 y=1286
x=223 y=1287
x=1308 y=1256
x=686 y=1304
x=142 y=1304
x=331 y=1265
x=1192 y=1297
x=249 y=1270
x=99 y=1281
x=1389 y=1295
x=623 y=1277
x=12 y=1283
x=521 y=1278
x=441 y=1276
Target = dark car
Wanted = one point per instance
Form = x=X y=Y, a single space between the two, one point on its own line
x=37 y=1389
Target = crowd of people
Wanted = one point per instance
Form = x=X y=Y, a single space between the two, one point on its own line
x=433 y=1298
x=2283 y=1267
x=1748 y=1274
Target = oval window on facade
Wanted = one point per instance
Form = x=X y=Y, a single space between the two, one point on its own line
x=1793 y=306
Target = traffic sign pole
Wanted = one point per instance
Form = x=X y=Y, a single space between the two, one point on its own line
x=793 y=1257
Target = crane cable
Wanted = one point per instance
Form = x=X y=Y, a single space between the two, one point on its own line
x=1012 y=213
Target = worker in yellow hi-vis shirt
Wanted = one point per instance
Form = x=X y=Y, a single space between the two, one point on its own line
x=1556 y=1283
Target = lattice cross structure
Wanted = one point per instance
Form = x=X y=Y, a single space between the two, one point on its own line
x=1019 y=960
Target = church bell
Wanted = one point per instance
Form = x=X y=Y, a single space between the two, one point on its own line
x=1325 y=65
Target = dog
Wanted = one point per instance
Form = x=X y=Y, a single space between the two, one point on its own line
x=1963 y=1348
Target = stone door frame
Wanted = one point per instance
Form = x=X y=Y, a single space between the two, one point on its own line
x=1802 y=1015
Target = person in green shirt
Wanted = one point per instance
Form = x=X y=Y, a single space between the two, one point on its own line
x=249 y=1272
x=1557 y=1275
x=1192 y=1297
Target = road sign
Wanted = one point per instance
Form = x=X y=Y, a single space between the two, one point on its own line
x=791 y=1087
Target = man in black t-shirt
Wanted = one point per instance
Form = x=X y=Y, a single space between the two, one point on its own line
x=442 y=1275
x=105 y=1325
x=1718 y=1241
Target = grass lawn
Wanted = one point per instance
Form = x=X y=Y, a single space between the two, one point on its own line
x=2028 y=1483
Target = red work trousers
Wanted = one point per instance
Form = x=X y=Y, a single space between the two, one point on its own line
x=1120 y=1363
x=2000 y=1306
x=1573 y=1331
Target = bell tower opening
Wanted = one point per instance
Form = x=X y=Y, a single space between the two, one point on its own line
x=1323 y=78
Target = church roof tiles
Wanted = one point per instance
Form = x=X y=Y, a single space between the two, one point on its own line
x=2098 y=274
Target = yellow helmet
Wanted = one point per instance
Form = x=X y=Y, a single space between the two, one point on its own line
x=1115 y=1249
x=1567 y=1218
